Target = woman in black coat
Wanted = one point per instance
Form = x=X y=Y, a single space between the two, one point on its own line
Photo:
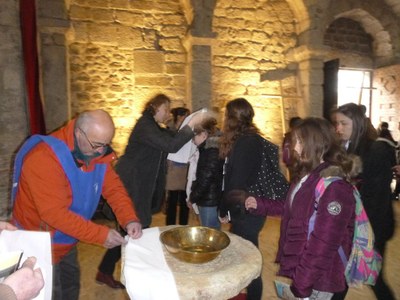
x=378 y=158
x=142 y=169
x=241 y=146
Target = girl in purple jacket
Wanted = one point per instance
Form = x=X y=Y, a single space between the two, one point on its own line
x=313 y=262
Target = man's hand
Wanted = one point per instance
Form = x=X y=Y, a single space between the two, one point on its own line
x=7 y=226
x=114 y=239
x=134 y=230
x=26 y=282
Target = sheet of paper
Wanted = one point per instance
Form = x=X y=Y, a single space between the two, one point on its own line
x=183 y=154
x=32 y=243
x=9 y=263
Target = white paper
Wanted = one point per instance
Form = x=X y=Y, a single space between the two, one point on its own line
x=183 y=154
x=32 y=243
x=9 y=263
x=191 y=176
x=146 y=274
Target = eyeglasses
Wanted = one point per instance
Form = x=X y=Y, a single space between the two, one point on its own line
x=95 y=146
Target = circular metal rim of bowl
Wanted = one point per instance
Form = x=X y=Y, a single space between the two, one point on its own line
x=192 y=256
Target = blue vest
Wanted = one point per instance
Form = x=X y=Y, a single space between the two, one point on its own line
x=86 y=186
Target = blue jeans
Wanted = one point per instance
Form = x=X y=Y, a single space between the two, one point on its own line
x=209 y=217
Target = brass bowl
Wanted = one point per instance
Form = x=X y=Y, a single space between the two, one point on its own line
x=194 y=244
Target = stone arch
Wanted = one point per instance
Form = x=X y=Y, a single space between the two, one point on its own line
x=395 y=5
x=382 y=42
x=376 y=18
x=301 y=14
x=349 y=35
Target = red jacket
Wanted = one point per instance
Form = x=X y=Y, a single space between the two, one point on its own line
x=44 y=196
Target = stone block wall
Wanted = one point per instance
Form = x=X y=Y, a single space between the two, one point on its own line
x=13 y=115
x=252 y=38
x=123 y=52
x=347 y=34
x=386 y=95
x=115 y=54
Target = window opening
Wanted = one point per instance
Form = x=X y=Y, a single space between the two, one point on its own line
x=355 y=86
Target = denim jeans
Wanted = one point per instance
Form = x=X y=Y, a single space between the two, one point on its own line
x=209 y=217
x=66 y=280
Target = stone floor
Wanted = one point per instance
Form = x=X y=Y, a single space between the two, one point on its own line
x=90 y=256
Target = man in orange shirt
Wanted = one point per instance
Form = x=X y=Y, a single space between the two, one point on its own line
x=58 y=181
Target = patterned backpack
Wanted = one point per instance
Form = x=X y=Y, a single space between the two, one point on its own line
x=271 y=183
x=364 y=263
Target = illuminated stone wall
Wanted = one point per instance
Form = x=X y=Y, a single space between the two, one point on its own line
x=123 y=52
x=253 y=38
x=387 y=96
x=115 y=54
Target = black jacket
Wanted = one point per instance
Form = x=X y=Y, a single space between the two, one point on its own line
x=143 y=166
x=207 y=188
x=375 y=189
x=241 y=170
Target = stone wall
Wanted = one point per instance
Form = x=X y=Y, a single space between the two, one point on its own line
x=115 y=54
x=123 y=52
x=253 y=38
x=13 y=116
x=347 y=34
x=386 y=105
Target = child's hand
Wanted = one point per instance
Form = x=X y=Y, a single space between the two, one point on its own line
x=224 y=220
x=250 y=203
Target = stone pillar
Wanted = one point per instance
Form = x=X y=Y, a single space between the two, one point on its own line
x=53 y=26
x=13 y=114
x=198 y=44
x=56 y=100
x=199 y=71
x=311 y=78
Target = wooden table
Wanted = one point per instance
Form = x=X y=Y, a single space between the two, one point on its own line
x=221 y=278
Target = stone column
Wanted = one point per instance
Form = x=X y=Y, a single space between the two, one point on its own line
x=54 y=63
x=199 y=71
x=13 y=114
x=198 y=44
x=311 y=79
x=53 y=27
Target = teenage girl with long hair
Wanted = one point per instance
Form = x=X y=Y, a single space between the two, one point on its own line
x=310 y=256
x=241 y=147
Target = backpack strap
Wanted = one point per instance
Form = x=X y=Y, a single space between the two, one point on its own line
x=320 y=188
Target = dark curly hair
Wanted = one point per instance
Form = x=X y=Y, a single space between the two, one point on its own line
x=155 y=103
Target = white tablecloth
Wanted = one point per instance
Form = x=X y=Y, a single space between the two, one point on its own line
x=145 y=271
x=220 y=279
